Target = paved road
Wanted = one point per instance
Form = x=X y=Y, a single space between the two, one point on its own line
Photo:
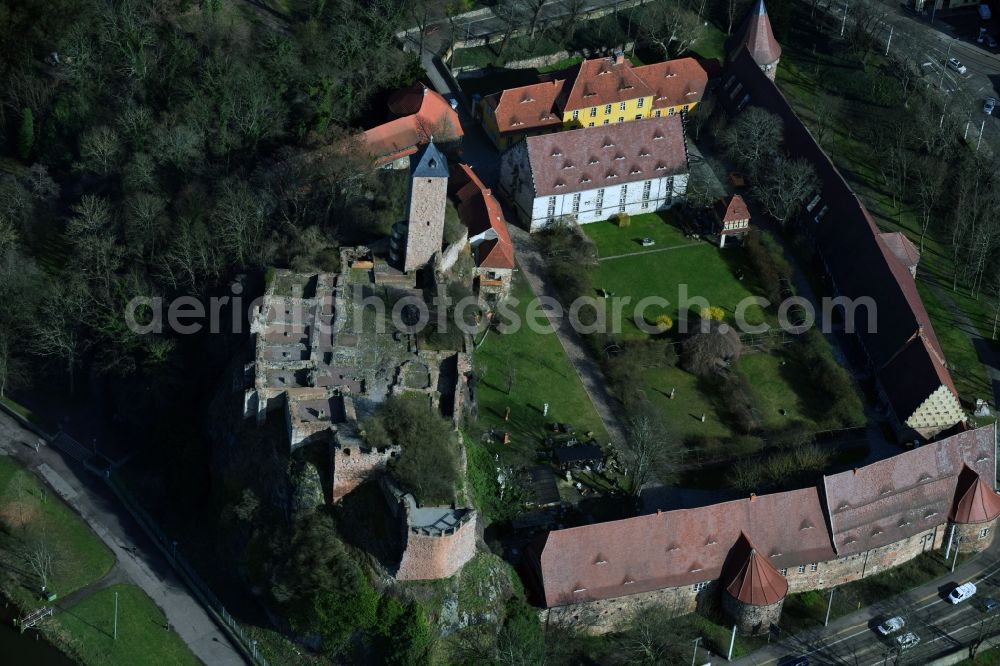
x=533 y=267
x=940 y=625
x=138 y=560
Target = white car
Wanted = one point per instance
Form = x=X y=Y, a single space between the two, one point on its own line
x=891 y=626
x=956 y=64
x=906 y=641
x=961 y=593
x=989 y=105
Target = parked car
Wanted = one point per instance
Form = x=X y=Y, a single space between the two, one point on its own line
x=991 y=41
x=907 y=640
x=989 y=105
x=985 y=13
x=991 y=605
x=962 y=592
x=891 y=626
x=982 y=36
x=956 y=64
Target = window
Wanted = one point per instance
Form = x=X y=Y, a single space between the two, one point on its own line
x=590 y=124
x=698 y=587
x=783 y=572
x=621 y=107
x=621 y=119
x=638 y=116
x=593 y=111
x=599 y=202
x=802 y=568
x=670 y=112
x=607 y=109
x=576 y=203
x=685 y=108
x=983 y=533
x=606 y=121
x=814 y=566
x=552 y=208
x=646 y=187
x=576 y=114
x=621 y=198
x=642 y=100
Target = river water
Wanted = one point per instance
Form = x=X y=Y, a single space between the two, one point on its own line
x=27 y=648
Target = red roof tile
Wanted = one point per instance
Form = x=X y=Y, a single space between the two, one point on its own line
x=749 y=577
x=605 y=81
x=480 y=211
x=901 y=247
x=593 y=157
x=674 y=82
x=758 y=38
x=904 y=495
x=528 y=107
x=975 y=500
x=682 y=547
x=400 y=137
x=736 y=210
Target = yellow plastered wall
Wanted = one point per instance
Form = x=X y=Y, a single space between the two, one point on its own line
x=634 y=109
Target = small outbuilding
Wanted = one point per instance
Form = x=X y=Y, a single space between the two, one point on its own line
x=734 y=218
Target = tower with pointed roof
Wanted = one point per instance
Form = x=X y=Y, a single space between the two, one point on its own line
x=416 y=239
x=753 y=590
x=973 y=514
x=758 y=38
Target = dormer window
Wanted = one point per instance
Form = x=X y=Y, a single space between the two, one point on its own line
x=527 y=100
x=661 y=167
x=635 y=171
x=559 y=183
x=569 y=166
x=611 y=175
x=556 y=152
x=644 y=153
x=515 y=123
x=593 y=160
x=579 y=590
x=619 y=157
x=608 y=144
x=585 y=180
x=657 y=137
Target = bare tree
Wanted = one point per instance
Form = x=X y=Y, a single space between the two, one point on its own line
x=929 y=180
x=785 y=187
x=734 y=10
x=649 y=636
x=754 y=136
x=40 y=556
x=668 y=26
x=648 y=452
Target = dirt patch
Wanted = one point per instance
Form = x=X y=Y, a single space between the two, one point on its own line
x=17 y=514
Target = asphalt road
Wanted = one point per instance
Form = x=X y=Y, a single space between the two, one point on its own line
x=941 y=626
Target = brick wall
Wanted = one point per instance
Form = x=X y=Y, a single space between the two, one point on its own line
x=352 y=466
x=425 y=229
x=428 y=557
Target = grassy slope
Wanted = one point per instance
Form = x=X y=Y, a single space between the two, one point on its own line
x=81 y=557
x=543 y=374
x=143 y=637
x=798 y=78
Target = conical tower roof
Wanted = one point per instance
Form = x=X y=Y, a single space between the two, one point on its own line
x=750 y=577
x=429 y=163
x=975 y=501
x=758 y=37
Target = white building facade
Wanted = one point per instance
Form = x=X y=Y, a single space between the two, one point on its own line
x=588 y=175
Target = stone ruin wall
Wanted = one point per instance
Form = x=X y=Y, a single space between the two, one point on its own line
x=431 y=555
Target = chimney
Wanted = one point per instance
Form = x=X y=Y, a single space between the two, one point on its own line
x=753 y=497
x=619 y=57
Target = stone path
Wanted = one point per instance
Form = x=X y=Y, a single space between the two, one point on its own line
x=533 y=267
x=659 y=249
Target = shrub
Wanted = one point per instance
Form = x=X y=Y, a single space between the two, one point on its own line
x=664 y=323
x=713 y=313
x=621 y=220
x=709 y=351
x=767 y=263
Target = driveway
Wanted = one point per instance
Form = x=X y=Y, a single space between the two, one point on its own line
x=138 y=560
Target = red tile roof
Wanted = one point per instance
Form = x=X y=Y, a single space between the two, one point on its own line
x=673 y=548
x=605 y=81
x=400 y=137
x=901 y=247
x=860 y=264
x=480 y=211
x=758 y=38
x=749 y=577
x=736 y=210
x=674 y=82
x=593 y=157
x=975 y=500
x=904 y=495
x=528 y=107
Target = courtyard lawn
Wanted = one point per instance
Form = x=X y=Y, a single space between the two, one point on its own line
x=143 y=633
x=701 y=271
x=30 y=515
x=779 y=387
x=612 y=240
x=683 y=413
x=541 y=374
x=711 y=44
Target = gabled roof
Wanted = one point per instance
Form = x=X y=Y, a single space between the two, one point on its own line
x=604 y=81
x=975 y=500
x=860 y=264
x=758 y=38
x=426 y=114
x=906 y=494
x=594 y=157
x=901 y=247
x=528 y=107
x=481 y=213
x=736 y=210
x=749 y=577
x=674 y=82
x=674 y=548
x=430 y=163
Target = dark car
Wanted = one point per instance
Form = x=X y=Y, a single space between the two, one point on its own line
x=991 y=605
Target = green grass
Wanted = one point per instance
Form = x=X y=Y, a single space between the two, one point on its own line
x=711 y=44
x=611 y=240
x=776 y=387
x=543 y=374
x=683 y=413
x=21 y=410
x=965 y=367
x=143 y=636
x=81 y=558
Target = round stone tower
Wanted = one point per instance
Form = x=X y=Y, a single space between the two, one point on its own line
x=753 y=591
x=973 y=514
x=758 y=38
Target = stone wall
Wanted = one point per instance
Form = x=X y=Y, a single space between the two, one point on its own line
x=353 y=465
x=751 y=619
x=425 y=221
x=971 y=538
x=606 y=615
x=428 y=556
